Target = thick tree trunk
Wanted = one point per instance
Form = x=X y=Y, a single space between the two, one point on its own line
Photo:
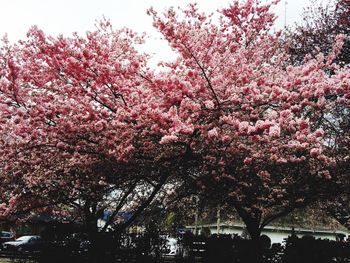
x=253 y=224
x=254 y=231
x=256 y=255
x=95 y=252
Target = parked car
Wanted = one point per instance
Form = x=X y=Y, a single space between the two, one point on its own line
x=6 y=236
x=24 y=243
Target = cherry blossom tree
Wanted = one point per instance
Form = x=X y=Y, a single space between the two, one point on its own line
x=237 y=103
x=77 y=135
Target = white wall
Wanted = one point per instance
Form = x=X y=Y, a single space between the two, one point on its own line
x=277 y=235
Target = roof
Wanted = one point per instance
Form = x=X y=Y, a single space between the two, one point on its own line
x=274 y=228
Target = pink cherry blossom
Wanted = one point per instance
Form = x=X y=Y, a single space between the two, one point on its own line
x=168 y=139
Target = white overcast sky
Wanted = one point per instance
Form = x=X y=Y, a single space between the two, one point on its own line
x=66 y=16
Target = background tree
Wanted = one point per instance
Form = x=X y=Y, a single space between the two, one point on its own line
x=320 y=26
x=321 y=23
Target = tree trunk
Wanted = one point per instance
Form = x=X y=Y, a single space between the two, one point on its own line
x=252 y=223
x=256 y=253
x=95 y=252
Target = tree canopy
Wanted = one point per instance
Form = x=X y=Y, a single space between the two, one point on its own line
x=86 y=124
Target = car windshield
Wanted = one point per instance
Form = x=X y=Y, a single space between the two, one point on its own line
x=24 y=238
x=5 y=234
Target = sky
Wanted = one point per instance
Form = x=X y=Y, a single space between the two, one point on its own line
x=67 y=16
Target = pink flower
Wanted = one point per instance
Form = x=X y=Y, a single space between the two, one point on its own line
x=285 y=114
x=61 y=145
x=226 y=139
x=247 y=160
x=187 y=129
x=13 y=201
x=261 y=125
x=209 y=104
x=213 y=133
x=273 y=114
x=251 y=130
x=314 y=152
x=243 y=127
x=303 y=124
x=99 y=126
x=319 y=133
x=275 y=131
x=168 y=139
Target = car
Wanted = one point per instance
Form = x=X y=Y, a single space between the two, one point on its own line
x=6 y=236
x=24 y=243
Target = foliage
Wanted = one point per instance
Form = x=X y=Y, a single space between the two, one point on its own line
x=321 y=23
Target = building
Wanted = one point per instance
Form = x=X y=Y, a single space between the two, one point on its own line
x=277 y=234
